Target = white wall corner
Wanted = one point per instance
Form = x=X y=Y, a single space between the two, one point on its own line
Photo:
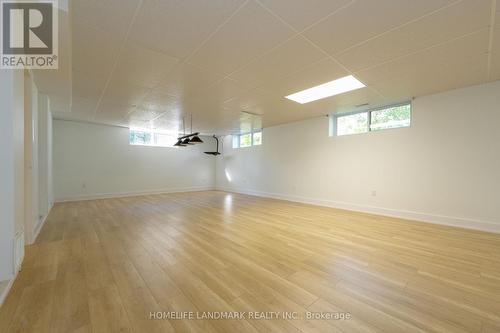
x=133 y=193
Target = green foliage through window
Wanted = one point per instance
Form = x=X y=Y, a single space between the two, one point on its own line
x=257 y=138
x=352 y=124
x=247 y=139
x=393 y=117
x=373 y=120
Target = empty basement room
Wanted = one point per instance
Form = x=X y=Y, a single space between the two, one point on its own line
x=250 y=166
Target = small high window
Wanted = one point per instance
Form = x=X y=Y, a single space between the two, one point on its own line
x=244 y=140
x=140 y=137
x=372 y=120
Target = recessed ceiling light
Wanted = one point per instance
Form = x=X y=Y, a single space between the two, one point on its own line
x=332 y=88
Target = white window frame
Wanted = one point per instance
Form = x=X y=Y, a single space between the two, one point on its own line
x=154 y=137
x=334 y=117
x=251 y=138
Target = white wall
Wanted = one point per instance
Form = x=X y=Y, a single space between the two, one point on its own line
x=30 y=157
x=44 y=154
x=11 y=166
x=443 y=169
x=44 y=161
x=18 y=109
x=97 y=161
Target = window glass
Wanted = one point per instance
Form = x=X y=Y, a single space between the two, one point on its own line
x=393 y=117
x=151 y=138
x=245 y=140
x=257 y=138
x=236 y=141
x=140 y=138
x=352 y=124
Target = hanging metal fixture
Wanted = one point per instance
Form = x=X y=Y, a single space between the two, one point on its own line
x=179 y=142
x=216 y=152
x=188 y=139
x=196 y=139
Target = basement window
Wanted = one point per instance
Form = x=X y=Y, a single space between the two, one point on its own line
x=244 y=140
x=394 y=116
x=257 y=139
x=352 y=124
x=142 y=137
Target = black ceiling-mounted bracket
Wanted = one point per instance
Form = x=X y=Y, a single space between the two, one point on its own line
x=214 y=153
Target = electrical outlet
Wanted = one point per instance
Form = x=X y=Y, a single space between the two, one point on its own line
x=374 y=193
x=84 y=185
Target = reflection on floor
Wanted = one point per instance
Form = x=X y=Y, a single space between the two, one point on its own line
x=105 y=265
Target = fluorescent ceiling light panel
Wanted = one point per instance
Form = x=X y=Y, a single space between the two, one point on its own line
x=332 y=88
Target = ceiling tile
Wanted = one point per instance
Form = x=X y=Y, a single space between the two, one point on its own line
x=248 y=34
x=365 y=19
x=323 y=71
x=142 y=66
x=291 y=56
x=108 y=112
x=300 y=14
x=219 y=92
x=255 y=59
x=109 y=15
x=247 y=100
x=83 y=108
x=276 y=112
x=146 y=115
x=88 y=84
x=452 y=22
x=495 y=55
x=178 y=27
x=139 y=123
x=359 y=99
x=185 y=79
x=157 y=100
x=124 y=93
x=94 y=50
x=458 y=63
x=248 y=122
x=168 y=122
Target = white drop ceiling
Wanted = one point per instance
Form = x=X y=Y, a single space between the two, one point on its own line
x=231 y=62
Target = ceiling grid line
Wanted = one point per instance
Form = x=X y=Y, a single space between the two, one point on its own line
x=319 y=48
x=288 y=74
x=400 y=26
x=430 y=47
x=298 y=33
x=220 y=26
x=249 y=54
x=491 y=36
x=122 y=47
x=261 y=56
x=186 y=59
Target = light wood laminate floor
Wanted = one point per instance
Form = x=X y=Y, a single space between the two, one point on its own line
x=104 y=265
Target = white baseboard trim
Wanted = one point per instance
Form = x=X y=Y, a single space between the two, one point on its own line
x=5 y=292
x=403 y=214
x=40 y=225
x=132 y=193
